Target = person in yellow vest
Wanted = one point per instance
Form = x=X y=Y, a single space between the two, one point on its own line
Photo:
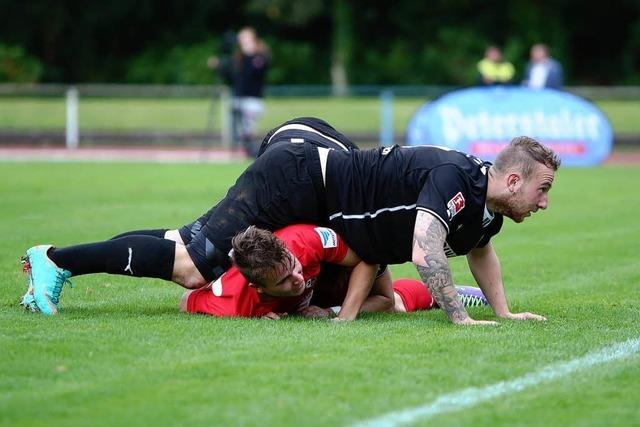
x=493 y=70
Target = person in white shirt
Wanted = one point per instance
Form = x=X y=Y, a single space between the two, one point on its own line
x=543 y=71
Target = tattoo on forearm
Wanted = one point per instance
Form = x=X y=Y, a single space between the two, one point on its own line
x=436 y=273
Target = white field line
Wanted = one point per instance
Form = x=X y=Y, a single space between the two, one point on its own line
x=472 y=396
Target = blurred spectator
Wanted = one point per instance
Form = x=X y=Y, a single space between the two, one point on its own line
x=543 y=71
x=493 y=70
x=242 y=65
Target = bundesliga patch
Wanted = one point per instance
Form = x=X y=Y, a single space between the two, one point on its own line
x=455 y=205
x=328 y=237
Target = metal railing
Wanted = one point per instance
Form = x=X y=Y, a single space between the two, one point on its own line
x=218 y=93
x=205 y=91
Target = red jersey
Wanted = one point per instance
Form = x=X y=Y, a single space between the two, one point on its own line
x=231 y=294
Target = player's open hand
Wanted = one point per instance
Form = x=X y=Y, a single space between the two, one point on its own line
x=525 y=316
x=315 y=312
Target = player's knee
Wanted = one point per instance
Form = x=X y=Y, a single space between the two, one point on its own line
x=189 y=277
x=193 y=282
x=185 y=273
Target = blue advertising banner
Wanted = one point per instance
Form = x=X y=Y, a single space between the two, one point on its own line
x=482 y=120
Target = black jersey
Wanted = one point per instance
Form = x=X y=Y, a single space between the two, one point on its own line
x=373 y=197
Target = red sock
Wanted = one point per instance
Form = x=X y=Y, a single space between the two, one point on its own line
x=414 y=294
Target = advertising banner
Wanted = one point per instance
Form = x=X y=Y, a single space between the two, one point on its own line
x=482 y=120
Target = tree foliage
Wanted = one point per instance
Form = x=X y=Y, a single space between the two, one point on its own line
x=399 y=42
x=16 y=66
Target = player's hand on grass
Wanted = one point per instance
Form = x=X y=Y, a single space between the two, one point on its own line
x=315 y=312
x=342 y=319
x=525 y=316
x=471 y=322
x=274 y=316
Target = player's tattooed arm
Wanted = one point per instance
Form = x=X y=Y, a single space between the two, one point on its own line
x=429 y=257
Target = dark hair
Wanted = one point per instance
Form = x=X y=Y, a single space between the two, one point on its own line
x=258 y=254
x=523 y=153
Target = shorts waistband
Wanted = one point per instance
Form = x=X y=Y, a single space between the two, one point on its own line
x=298 y=126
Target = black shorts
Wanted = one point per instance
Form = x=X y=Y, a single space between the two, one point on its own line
x=283 y=186
x=310 y=129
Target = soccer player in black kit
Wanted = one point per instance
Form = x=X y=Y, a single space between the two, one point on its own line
x=391 y=205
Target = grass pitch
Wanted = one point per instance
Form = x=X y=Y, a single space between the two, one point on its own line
x=120 y=353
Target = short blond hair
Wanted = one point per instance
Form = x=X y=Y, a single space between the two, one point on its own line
x=522 y=154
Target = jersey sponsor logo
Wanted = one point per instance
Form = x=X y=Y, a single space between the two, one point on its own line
x=328 y=237
x=455 y=205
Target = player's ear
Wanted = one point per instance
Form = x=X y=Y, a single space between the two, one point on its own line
x=514 y=181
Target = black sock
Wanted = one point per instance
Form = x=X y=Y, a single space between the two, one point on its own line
x=159 y=233
x=139 y=256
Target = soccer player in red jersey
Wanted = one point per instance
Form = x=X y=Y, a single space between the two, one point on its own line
x=276 y=273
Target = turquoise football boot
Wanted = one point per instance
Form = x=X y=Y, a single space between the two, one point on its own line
x=28 y=301
x=47 y=279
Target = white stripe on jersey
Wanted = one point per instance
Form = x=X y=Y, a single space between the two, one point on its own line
x=323 y=153
x=372 y=215
x=298 y=126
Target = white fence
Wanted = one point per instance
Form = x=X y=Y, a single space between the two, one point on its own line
x=220 y=98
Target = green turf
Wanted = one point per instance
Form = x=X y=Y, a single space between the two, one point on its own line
x=120 y=353
x=346 y=114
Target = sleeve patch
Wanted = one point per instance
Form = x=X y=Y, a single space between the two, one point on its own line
x=455 y=205
x=328 y=237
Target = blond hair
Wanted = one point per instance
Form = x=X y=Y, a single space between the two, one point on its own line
x=522 y=154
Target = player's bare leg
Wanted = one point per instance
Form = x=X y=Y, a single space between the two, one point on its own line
x=185 y=272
